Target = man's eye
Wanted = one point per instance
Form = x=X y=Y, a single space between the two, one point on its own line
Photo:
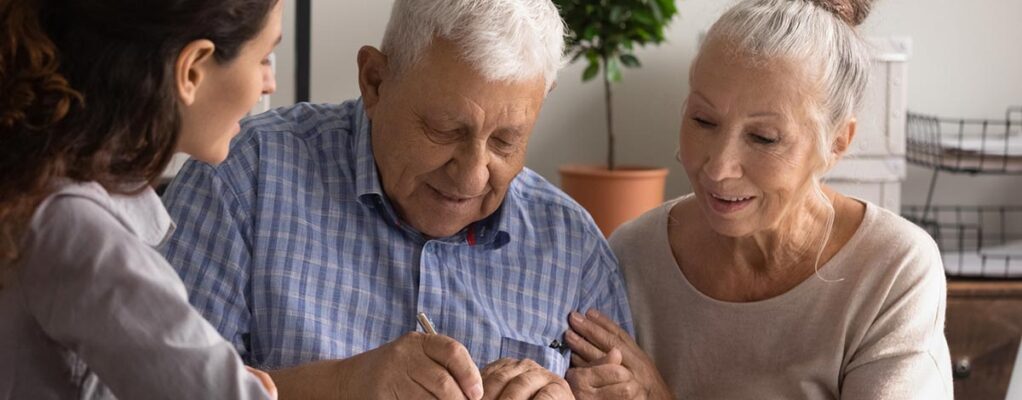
x=443 y=136
x=503 y=146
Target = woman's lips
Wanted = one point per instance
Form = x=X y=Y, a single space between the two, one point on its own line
x=728 y=204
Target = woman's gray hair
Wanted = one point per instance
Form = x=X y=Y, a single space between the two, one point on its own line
x=819 y=34
x=507 y=40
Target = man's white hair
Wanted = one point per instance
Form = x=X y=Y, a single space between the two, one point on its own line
x=505 y=40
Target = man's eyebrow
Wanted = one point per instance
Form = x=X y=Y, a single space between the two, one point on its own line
x=442 y=114
x=514 y=131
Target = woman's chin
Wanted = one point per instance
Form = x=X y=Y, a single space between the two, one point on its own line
x=212 y=155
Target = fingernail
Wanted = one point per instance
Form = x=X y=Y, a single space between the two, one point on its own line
x=475 y=392
x=576 y=317
x=571 y=335
x=592 y=313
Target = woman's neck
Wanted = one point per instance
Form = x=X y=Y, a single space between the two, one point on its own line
x=767 y=263
x=795 y=240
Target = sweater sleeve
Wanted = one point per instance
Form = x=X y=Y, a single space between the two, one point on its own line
x=904 y=353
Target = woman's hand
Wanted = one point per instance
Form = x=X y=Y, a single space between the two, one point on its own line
x=607 y=363
x=265 y=379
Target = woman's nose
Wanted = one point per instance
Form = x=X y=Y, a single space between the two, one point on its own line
x=269 y=82
x=723 y=162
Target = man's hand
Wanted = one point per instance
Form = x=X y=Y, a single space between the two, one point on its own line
x=415 y=366
x=418 y=366
x=522 y=380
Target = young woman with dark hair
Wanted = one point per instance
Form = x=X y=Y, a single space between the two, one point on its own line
x=95 y=97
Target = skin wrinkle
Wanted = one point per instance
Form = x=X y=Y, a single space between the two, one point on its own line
x=776 y=243
x=441 y=129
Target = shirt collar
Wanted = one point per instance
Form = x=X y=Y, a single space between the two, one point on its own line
x=490 y=231
x=368 y=189
x=493 y=230
x=142 y=214
x=367 y=178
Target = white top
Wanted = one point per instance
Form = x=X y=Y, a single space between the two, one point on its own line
x=877 y=334
x=94 y=312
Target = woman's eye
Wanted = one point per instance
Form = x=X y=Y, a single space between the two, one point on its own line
x=704 y=123
x=762 y=139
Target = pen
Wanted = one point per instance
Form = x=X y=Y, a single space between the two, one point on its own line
x=425 y=324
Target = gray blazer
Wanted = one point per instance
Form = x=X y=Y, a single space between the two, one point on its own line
x=92 y=311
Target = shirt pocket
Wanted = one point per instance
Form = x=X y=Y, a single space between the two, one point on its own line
x=551 y=359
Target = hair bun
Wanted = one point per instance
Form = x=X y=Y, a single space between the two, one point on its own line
x=852 y=12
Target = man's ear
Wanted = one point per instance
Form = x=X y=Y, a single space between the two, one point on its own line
x=191 y=69
x=843 y=141
x=372 y=70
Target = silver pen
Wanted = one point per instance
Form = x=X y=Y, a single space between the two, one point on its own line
x=425 y=324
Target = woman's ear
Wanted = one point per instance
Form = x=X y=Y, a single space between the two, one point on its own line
x=372 y=70
x=843 y=141
x=191 y=68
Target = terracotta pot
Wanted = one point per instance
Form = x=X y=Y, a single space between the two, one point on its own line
x=614 y=197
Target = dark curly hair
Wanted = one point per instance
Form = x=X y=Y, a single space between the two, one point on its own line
x=88 y=92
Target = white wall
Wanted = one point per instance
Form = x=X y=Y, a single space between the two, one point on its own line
x=285 y=54
x=967 y=62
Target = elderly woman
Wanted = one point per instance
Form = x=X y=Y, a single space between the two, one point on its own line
x=763 y=284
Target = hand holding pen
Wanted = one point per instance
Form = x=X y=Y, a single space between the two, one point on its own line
x=415 y=366
x=514 y=379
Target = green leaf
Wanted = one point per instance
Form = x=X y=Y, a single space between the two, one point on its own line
x=615 y=14
x=643 y=35
x=644 y=17
x=607 y=32
x=668 y=8
x=591 y=71
x=613 y=70
x=630 y=61
x=658 y=15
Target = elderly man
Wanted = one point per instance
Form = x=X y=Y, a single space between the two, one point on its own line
x=331 y=227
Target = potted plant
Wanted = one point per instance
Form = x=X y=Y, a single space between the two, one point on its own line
x=605 y=34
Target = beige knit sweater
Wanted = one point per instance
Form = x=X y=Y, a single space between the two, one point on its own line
x=876 y=334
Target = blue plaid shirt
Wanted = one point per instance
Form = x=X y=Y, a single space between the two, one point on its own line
x=291 y=249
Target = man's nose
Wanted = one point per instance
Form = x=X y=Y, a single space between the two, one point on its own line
x=470 y=167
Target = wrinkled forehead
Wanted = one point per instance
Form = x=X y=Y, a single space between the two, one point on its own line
x=723 y=65
x=449 y=86
x=720 y=51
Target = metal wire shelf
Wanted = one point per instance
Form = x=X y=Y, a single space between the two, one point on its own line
x=982 y=242
x=988 y=146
